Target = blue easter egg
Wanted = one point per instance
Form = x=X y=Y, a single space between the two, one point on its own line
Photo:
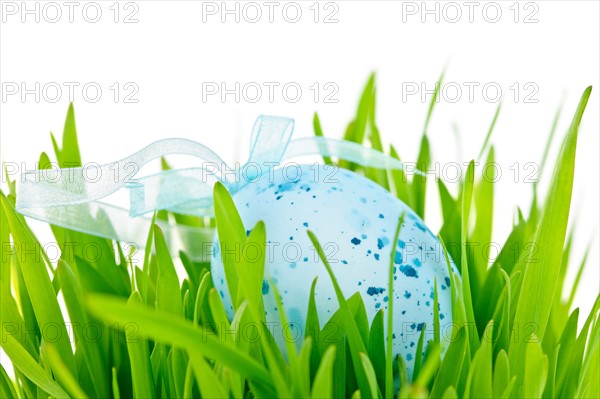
x=355 y=220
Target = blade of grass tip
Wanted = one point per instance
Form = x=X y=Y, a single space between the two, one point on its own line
x=419 y=354
x=362 y=113
x=115 y=384
x=432 y=361
x=188 y=299
x=40 y=289
x=490 y=130
x=501 y=375
x=301 y=380
x=230 y=230
x=419 y=184
x=362 y=320
x=548 y=144
x=450 y=393
x=70 y=155
x=448 y=203
x=319 y=133
x=61 y=372
x=168 y=295
x=376 y=348
x=312 y=330
x=402 y=372
x=579 y=274
x=44 y=161
x=504 y=324
x=389 y=377
x=509 y=388
x=370 y=372
x=56 y=148
x=434 y=100
x=203 y=287
x=354 y=339
x=322 y=385
x=536 y=369
x=539 y=279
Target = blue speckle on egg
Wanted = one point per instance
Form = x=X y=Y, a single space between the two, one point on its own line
x=375 y=290
x=409 y=271
x=265 y=287
x=352 y=217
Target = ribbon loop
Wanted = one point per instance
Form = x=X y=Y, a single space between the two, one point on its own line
x=270 y=138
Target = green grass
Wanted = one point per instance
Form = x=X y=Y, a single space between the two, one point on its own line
x=139 y=332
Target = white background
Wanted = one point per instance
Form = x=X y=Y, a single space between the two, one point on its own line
x=174 y=48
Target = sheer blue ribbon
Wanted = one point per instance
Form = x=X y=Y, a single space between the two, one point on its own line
x=71 y=197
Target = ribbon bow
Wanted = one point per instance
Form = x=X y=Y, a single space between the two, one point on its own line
x=71 y=197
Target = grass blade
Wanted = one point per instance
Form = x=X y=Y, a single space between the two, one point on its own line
x=26 y=364
x=540 y=278
x=40 y=289
x=322 y=386
x=165 y=327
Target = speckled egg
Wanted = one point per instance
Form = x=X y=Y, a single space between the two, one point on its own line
x=355 y=220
